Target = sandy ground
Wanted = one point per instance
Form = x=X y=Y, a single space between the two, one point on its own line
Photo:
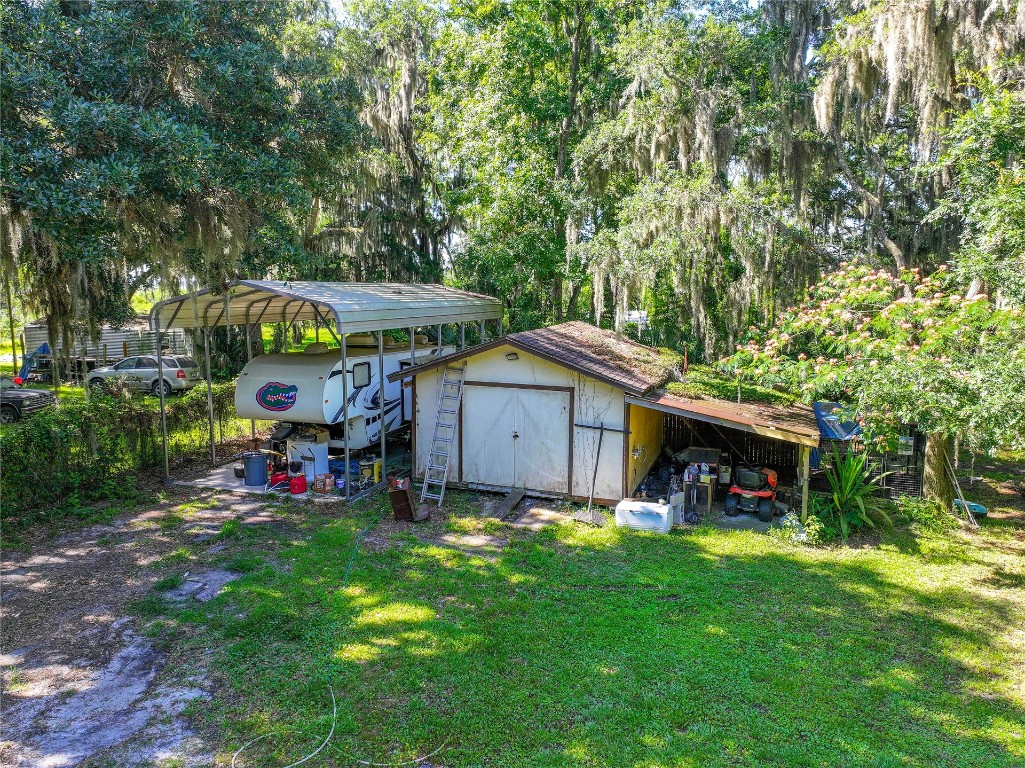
x=82 y=683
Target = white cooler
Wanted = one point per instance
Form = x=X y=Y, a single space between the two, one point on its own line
x=644 y=515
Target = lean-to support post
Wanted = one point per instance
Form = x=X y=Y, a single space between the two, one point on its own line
x=209 y=395
x=462 y=336
x=439 y=340
x=345 y=413
x=805 y=478
x=482 y=331
x=412 y=346
x=382 y=399
x=163 y=409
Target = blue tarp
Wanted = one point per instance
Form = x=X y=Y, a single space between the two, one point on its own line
x=831 y=427
x=42 y=349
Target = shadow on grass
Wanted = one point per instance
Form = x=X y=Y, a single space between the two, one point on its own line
x=598 y=647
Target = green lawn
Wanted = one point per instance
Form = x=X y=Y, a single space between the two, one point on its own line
x=579 y=646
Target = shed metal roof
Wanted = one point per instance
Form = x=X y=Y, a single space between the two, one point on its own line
x=792 y=423
x=353 y=307
x=595 y=352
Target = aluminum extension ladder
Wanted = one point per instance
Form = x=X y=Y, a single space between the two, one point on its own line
x=445 y=426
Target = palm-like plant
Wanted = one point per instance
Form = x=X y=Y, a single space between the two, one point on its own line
x=854 y=489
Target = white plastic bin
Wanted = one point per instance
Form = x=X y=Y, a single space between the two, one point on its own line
x=644 y=515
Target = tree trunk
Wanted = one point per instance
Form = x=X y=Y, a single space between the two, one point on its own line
x=936 y=483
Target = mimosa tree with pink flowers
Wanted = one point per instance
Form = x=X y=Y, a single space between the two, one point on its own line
x=899 y=350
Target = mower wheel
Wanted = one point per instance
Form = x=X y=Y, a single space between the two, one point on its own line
x=731 y=506
x=765 y=510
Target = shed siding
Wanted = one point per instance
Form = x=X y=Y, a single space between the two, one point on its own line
x=646 y=430
x=594 y=402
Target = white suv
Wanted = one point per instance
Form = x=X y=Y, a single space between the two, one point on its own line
x=180 y=373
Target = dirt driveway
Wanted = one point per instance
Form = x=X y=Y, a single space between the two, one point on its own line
x=84 y=683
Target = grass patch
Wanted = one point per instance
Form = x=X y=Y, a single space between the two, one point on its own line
x=231 y=529
x=582 y=646
x=168 y=583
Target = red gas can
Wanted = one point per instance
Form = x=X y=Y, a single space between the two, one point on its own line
x=297 y=484
x=278 y=478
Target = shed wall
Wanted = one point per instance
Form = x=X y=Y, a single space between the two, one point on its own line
x=594 y=402
x=646 y=431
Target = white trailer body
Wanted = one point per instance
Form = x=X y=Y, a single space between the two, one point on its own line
x=305 y=388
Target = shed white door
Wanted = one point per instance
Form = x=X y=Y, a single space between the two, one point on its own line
x=516 y=437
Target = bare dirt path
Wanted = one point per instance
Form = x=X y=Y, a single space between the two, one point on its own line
x=83 y=684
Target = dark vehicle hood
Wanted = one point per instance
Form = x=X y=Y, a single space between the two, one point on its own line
x=27 y=394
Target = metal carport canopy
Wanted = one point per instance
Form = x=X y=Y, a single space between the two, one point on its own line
x=355 y=307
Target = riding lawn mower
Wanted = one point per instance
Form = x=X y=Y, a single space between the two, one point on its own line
x=753 y=490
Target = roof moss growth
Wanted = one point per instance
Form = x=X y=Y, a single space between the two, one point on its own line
x=701 y=382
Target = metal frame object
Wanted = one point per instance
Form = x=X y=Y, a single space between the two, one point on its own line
x=353 y=308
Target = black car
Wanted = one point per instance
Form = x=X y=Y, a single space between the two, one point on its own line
x=16 y=401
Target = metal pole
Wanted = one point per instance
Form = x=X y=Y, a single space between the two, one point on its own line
x=412 y=346
x=482 y=331
x=249 y=359
x=462 y=336
x=382 y=398
x=163 y=411
x=439 y=341
x=345 y=413
x=209 y=396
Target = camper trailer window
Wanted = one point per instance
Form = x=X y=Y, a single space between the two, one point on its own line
x=360 y=375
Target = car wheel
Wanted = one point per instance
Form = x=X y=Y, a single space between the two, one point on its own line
x=9 y=414
x=97 y=384
x=765 y=510
x=156 y=389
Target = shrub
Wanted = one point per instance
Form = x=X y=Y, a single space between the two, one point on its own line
x=61 y=459
x=853 y=504
x=925 y=515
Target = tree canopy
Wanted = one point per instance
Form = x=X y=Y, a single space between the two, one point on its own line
x=708 y=162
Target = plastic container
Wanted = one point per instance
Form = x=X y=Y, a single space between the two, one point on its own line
x=977 y=510
x=297 y=485
x=371 y=468
x=255 y=464
x=644 y=515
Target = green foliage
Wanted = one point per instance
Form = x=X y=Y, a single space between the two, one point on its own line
x=987 y=145
x=161 y=138
x=899 y=349
x=925 y=515
x=58 y=461
x=854 y=504
x=705 y=381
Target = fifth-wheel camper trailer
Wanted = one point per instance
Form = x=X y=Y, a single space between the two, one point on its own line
x=305 y=388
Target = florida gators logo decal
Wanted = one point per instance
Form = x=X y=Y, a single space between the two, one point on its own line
x=275 y=396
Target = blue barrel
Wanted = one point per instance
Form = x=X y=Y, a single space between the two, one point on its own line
x=255 y=464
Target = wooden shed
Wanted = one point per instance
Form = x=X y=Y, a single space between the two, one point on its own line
x=544 y=409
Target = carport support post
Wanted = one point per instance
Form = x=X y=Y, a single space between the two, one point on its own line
x=381 y=398
x=482 y=331
x=439 y=340
x=345 y=412
x=462 y=336
x=163 y=411
x=209 y=395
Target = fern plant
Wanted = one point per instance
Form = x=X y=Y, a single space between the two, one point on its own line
x=854 y=500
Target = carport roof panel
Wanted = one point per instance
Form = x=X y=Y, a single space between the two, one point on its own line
x=792 y=423
x=355 y=307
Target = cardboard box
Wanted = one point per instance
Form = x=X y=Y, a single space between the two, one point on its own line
x=324 y=483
